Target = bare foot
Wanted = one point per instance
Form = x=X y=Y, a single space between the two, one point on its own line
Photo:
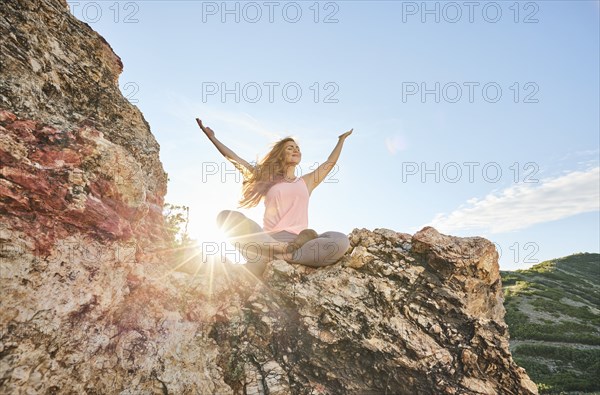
x=286 y=251
x=304 y=237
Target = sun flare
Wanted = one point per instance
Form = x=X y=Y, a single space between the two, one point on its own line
x=214 y=246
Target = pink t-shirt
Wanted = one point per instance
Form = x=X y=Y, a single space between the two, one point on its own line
x=286 y=207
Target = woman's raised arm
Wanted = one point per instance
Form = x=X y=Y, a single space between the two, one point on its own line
x=314 y=178
x=226 y=152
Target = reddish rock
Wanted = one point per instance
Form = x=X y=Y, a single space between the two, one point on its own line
x=50 y=182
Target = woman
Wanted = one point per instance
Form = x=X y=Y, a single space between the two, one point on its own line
x=284 y=234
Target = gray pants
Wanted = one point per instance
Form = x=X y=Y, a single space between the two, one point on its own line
x=256 y=245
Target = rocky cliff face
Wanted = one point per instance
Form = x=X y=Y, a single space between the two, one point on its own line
x=86 y=306
x=76 y=155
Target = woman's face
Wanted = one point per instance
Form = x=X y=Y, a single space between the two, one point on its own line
x=291 y=153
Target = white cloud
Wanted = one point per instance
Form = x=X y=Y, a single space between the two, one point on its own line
x=589 y=153
x=524 y=205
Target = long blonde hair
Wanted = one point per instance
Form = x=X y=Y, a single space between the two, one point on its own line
x=266 y=173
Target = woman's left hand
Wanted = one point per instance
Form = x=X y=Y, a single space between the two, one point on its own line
x=348 y=133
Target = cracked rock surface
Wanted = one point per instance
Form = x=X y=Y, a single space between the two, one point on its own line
x=422 y=315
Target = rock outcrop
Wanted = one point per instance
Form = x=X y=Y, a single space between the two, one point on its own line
x=88 y=307
x=398 y=314
x=76 y=155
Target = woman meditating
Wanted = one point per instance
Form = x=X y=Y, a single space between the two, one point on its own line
x=284 y=234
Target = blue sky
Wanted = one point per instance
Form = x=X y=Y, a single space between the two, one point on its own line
x=516 y=162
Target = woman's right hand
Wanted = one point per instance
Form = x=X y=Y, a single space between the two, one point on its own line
x=208 y=131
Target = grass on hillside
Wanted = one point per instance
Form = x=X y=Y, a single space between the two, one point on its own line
x=557 y=301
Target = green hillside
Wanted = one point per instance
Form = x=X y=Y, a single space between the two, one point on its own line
x=553 y=315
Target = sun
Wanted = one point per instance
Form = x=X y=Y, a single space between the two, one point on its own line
x=213 y=246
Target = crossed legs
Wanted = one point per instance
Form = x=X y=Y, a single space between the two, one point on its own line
x=325 y=250
x=250 y=239
x=259 y=247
